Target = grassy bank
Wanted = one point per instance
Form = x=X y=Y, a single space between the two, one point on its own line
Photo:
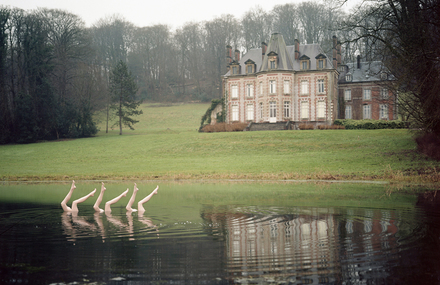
x=166 y=145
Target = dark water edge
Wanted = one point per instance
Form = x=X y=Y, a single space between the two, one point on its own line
x=223 y=244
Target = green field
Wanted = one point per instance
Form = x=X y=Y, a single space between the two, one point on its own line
x=166 y=145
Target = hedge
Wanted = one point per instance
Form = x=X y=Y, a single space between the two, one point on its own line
x=370 y=124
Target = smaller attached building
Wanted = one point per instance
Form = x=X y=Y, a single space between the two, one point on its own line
x=364 y=93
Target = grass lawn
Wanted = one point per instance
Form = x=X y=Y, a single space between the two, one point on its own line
x=166 y=145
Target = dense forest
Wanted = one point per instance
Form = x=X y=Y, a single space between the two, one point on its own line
x=55 y=71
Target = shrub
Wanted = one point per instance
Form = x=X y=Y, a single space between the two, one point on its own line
x=429 y=144
x=370 y=124
x=306 y=127
x=331 y=127
x=223 y=127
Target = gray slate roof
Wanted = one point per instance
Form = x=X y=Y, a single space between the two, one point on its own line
x=286 y=56
x=368 y=71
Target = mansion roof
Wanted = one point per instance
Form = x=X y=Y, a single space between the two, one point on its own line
x=287 y=59
x=363 y=72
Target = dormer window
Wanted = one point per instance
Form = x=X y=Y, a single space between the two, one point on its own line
x=321 y=61
x=304 y=62
x=383 y=76
x=235 y=67
x=250 y=66
x=273 y=60
x=348 y=77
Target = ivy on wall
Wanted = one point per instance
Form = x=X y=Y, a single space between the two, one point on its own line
x=206 y=118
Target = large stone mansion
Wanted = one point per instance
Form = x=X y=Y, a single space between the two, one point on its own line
x=300 y=84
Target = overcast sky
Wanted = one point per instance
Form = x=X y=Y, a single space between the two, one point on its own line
x=174 y=13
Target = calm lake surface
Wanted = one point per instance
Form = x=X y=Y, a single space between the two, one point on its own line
x=221 y=233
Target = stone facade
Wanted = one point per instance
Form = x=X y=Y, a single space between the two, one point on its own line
x=301 y=85
x=280 y=83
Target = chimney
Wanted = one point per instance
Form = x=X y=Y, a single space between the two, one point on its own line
x=296 y=49
x=263 y=49
x=338 y=52
x=228 y=54
x=237 y=55
x=358 y=62
x=335 y=61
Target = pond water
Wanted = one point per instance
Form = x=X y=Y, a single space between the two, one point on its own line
x=222 y=233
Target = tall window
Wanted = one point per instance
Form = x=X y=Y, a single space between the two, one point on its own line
x=234 y=112
x=272 y=86
x=348 y=112
x=249 y=90
x=250 y=112
x=366 y=111
x=249 y=68
x=234 y=90
x=384 y=93
x=304 y=110
x=321 y=86
x=321 y=109
x=286 y=87
x=261 y=110
x=383 y=114
x=234 y=70
x=367 y=94
x=272 y=64
x=273 y=109
x=321 y=63
x=261 y=88
x=286 y=109
x=347 y=94
x=304 y=65
x=304 y=87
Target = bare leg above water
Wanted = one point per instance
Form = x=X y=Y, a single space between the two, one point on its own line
x=99 y=200
x=140 y=206
x=109 y=203
x=80 y=200
x=67 y=198
x=130 y=203
x=76 y=202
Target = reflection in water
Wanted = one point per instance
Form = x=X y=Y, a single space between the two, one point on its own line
x=308 y=246
x=224 y=244
x=75 y=226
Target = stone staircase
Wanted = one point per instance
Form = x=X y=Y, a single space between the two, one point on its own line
x=278 y=126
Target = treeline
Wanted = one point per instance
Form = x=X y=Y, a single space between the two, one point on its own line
x=54 y=71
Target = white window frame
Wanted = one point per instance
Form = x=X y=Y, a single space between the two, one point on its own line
x=383 y=111
x=320 y=109
x=384 y=94
x=366 y=112
x=348 y=112
x=367 y=95
x=304 y=87
x=286 y=109
x=347 y=94
x=321 y=87
x=249 y=90
x=234 y=91
x=272 y=109
x=249 y=68
x=235 y=113
x=286 y=86
x=272 y=86
x=304 y=110
x=250 y=112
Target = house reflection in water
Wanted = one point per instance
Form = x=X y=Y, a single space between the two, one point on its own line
x=306 y=246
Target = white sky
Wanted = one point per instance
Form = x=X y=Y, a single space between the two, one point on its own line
x=174 y=13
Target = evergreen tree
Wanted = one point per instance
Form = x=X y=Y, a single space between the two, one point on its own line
x=123 y=90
